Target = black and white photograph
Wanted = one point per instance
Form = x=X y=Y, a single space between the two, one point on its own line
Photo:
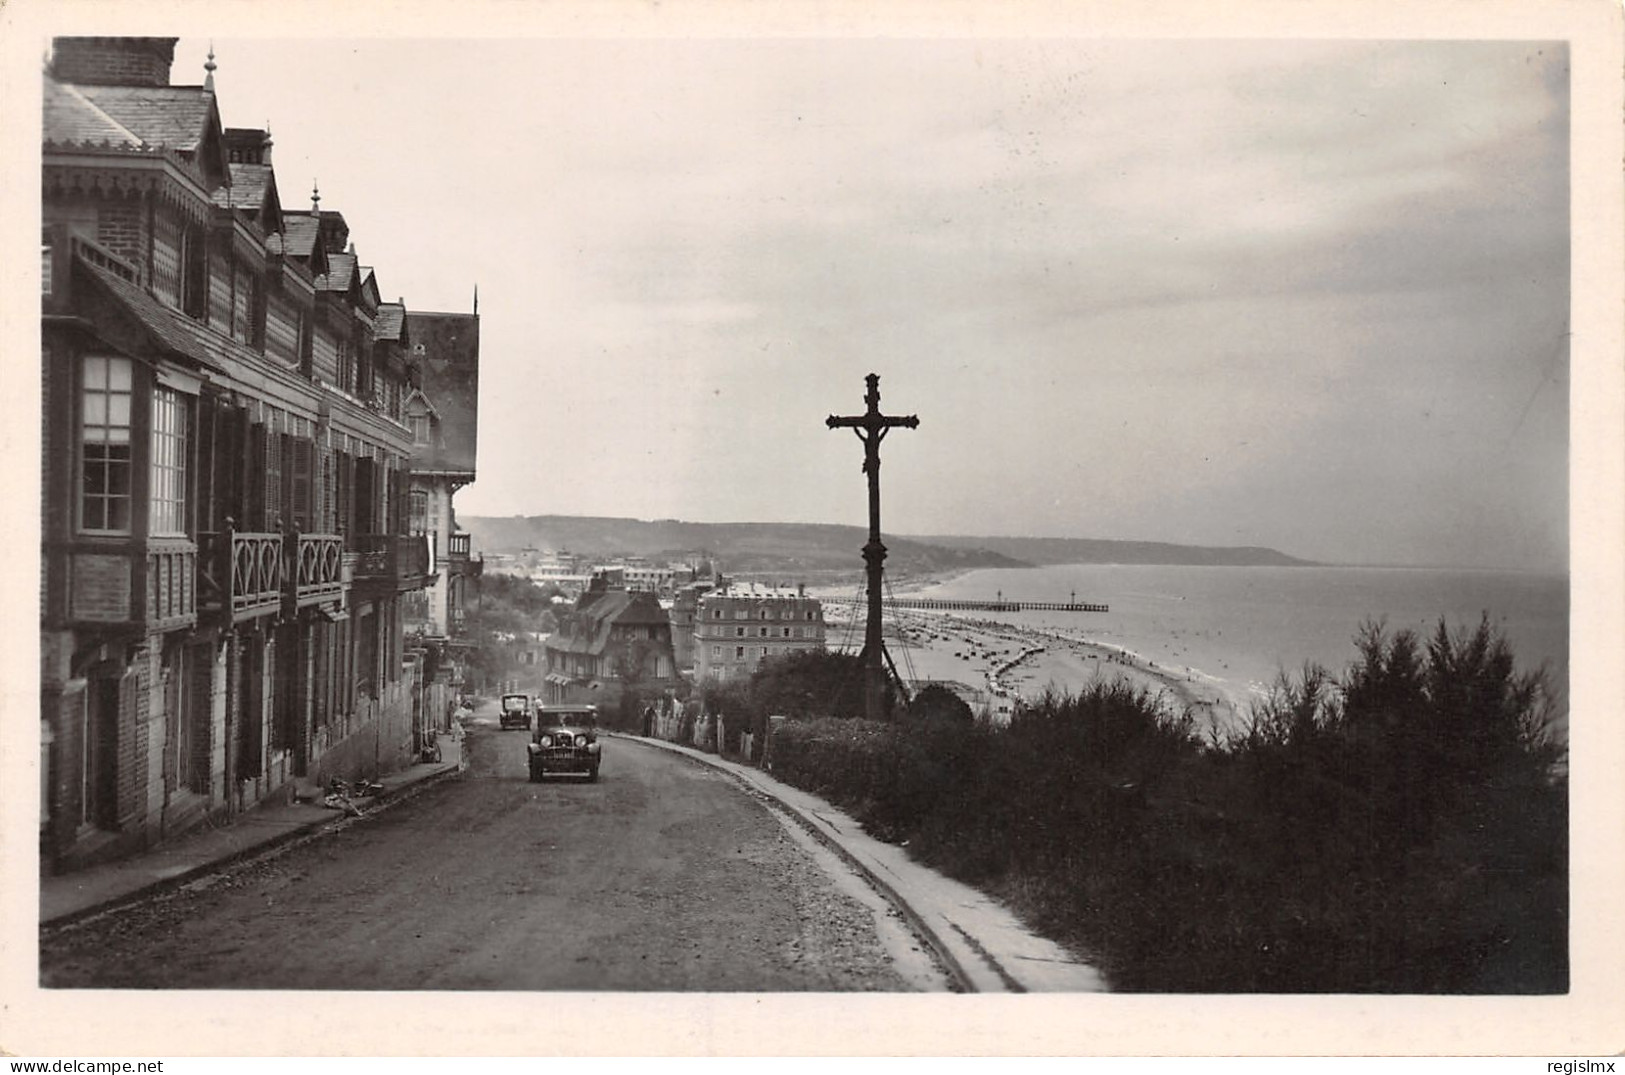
x=468 y=582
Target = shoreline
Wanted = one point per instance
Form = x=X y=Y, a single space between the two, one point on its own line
x=991 y=655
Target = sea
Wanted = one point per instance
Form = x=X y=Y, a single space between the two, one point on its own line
x=1242 y=627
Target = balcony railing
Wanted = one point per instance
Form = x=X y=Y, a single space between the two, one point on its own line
x=458 y=545
x=400 y=559
x=171 y=583
x=251 y=574
x=242 y=572
x=319 y=575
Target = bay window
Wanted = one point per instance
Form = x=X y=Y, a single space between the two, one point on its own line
x=104 y=495
x=169 y=432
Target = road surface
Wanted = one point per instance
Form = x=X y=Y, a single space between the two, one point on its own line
x=663 y=875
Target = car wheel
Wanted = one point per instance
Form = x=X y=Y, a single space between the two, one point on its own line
x=535 y=773
x=592 y=775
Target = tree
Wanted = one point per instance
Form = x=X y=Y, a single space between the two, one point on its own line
x=938 y=704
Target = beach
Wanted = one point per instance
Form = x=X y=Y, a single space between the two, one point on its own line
x=1212 y=641
x=992 y=655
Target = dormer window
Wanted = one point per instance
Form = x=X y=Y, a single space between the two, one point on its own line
x=419 y=424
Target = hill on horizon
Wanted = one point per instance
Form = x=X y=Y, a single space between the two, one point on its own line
x=825 y=547
x=1044 y=551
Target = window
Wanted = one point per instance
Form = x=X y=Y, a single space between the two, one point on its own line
x=45 y=265
x=717 y=615
x=418 y=523
x=764 y=613
x=809 y=613
x=764 y=632
x=346 y=367
x=716 y=651
x=169 y=422
x=739 y=653
x=419 y=424
x=739 y=632
x=104 y=499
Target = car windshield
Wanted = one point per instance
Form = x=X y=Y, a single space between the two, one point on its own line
x=569 y=719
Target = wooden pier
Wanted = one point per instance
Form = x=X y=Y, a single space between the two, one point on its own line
x=930 y=604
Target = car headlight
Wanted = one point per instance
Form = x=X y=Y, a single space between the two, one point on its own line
x=581 y=740
x=547 y=740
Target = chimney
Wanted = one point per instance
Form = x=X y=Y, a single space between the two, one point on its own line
x=246 y=145
x=113 y=61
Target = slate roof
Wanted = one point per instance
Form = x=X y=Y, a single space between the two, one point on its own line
x=449 y=369
x=390 y=321
x=588 y=629
x=249 y=184
x=300 y=233
x=71 y=117
x=174 y=117
x=171 y=329
x=340 y=272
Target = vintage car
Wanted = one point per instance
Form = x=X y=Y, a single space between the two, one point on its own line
x=515 y=711
x=564 y=739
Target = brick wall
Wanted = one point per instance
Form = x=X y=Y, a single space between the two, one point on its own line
x=121 y=227
x=66 y=709
x=110 y=61
x=135 y=710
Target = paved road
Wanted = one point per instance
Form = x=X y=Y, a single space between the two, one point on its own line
x=664 y=875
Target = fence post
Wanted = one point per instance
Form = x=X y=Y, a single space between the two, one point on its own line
x=773 y=723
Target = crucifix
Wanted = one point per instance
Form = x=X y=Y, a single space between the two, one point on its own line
x=871 y=428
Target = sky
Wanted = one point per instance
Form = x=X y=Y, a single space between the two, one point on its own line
x=1311 y=295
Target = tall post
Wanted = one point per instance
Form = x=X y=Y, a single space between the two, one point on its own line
x=871 y=428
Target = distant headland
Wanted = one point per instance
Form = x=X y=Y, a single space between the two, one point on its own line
x=820 y=547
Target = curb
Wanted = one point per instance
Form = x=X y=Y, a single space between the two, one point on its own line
x=150 y=889
x=950 y=962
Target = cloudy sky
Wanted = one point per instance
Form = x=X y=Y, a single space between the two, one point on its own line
x=1308 y=295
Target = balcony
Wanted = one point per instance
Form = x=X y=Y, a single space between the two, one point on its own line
x=457 y=547
x=318 y=568
x=391 y=561
x=242 y=573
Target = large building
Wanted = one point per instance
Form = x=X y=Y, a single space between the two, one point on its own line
x=225 y=468
x=612 y=638
x=739 y=626
x=442 y=411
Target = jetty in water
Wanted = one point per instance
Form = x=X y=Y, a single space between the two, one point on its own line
x=932 y=604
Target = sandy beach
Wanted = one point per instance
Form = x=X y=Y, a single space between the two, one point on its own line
x=991 y=654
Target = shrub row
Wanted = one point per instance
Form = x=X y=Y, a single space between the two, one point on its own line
x=1402 y=828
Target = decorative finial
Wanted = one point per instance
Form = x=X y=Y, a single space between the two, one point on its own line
x=315 y=199
x=476 y=300
x=209 y=66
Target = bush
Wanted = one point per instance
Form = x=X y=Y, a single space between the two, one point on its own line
x=1402 y=828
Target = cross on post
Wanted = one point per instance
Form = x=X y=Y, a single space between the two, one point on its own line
x=871 y=428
